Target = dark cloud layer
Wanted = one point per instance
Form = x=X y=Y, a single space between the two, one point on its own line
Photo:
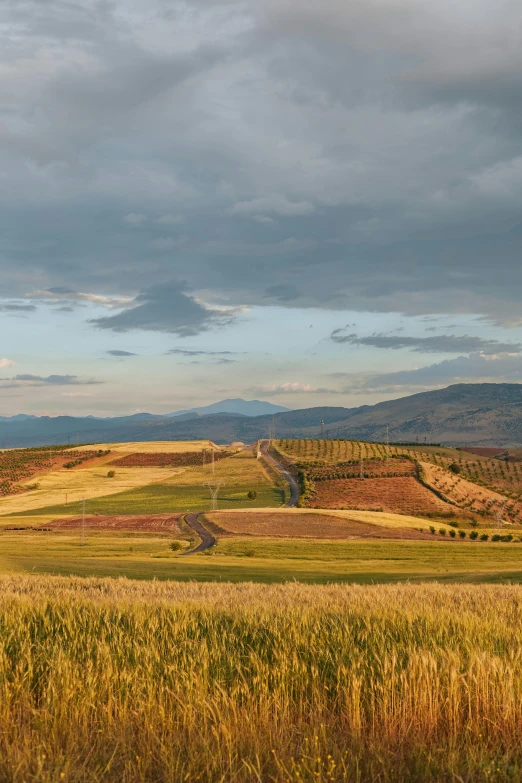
x=444 y=343
x=164 y=308
x=357 y=155
x=27 y=379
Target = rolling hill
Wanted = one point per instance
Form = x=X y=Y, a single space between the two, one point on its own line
x=463 y=414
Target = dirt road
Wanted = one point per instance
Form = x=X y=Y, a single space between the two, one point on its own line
x=292 y=483
x=207 y=539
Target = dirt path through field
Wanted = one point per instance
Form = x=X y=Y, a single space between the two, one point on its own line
x=207 y=539
x=292 y=483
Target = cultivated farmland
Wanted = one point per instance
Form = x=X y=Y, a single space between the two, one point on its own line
x=292 y=683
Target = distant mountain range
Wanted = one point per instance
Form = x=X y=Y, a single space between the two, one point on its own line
x=487 y=414
x=237 y=405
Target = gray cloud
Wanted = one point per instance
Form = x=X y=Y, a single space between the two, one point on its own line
x=17 y=308
x=165 y=308
x=27 y=379
x=116 y=352
x=444 y=343
x=387 y=164
x=463 y=369
x=189 y=352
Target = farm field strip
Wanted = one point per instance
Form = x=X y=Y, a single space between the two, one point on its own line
x=471 y=496
x=85 y=482
x=314 y=526
x=181 y=489
x=165 y=446
x=402 y=494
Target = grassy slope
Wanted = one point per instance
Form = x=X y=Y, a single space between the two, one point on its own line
x=185 y=490
x=83 y=482
x=145 y=556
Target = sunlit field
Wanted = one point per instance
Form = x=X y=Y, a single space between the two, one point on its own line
x=108 y=680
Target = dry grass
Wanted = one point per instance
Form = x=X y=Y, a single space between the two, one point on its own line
x=164 y=446
x=108 y=680
x=379 y=518
x=85 y=482
x=315 y=526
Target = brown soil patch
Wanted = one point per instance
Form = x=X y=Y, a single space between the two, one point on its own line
x=471 y=496
x=400 y=495
x=318 y=526
x=168 y=459
x=484 y=452
x=372 y=468
x=164 y=522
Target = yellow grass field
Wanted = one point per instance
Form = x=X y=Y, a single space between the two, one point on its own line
x=379 y=518
x=77 y=484
x=153 y=446
x=160 y=682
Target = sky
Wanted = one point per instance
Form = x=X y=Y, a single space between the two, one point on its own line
x=307 y=203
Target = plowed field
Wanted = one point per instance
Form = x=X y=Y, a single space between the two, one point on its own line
x=471 y=496
x=318 y=526
x=166 y=522
x=168 y=460
x=400 y=495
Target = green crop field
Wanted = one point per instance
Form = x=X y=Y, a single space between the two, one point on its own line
x=142 y=555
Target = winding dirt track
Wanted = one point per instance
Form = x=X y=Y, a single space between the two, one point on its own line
x=292 y=483
x=207 y=539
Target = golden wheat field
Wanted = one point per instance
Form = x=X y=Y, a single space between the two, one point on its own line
x=112 y=680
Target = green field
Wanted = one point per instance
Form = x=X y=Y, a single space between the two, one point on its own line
x=169 y=498
x=186 y=490
x=147 y=556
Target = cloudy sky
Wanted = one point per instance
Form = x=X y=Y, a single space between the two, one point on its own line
x=312 y=203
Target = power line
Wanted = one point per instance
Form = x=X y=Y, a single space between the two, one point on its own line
x=214 y=487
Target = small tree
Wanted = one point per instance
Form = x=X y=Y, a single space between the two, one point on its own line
x=455 y=467
x=252 y=494
x=462 y=533
x=452 y=533
x=473 y=535
x=484 y=537
x=111 y=474
x=175 y=546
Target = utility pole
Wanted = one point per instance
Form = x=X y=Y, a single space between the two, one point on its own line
x=322 y=429
x=500 y=514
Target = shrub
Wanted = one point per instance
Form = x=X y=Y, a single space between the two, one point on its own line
x=474 y=523
x=452 y=533
x=508 y=537
x=442 y=531
x=484 y=537
x=252 y=494
x=453 y=523
x=462 y=533
x=496 y=537
x=175 y=546
x=454 y=467
x=250 y=553
x=111 y=474
x=432 y=529
x=473 y=535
